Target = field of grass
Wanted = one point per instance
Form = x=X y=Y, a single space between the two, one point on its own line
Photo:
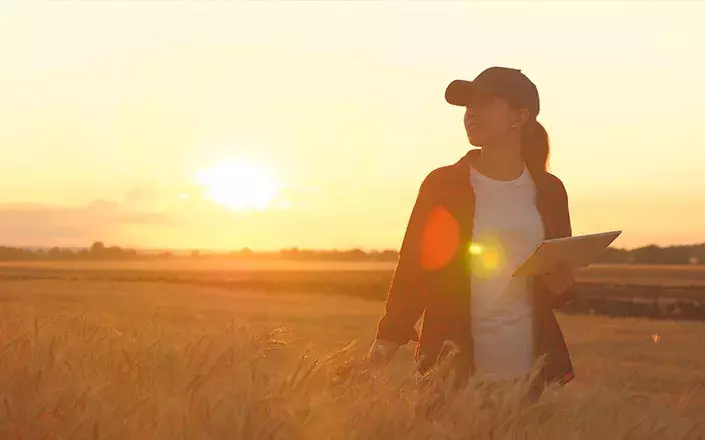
x=363 y=279
x=117 y=360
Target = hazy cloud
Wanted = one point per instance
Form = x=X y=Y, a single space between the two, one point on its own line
x=23 y=224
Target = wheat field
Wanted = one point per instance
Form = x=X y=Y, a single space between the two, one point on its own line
x=365 y=272
x=120 y=360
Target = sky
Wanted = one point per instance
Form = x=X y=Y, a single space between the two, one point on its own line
x=126 y=121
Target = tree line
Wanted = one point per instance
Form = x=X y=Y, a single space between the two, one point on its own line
x=98 y=251
x=676 y=255
x=652 y=254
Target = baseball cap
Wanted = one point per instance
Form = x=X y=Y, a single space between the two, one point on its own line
x=508 y=83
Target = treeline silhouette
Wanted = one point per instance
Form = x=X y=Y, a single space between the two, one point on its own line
x=675 y=255
x=683 y=254
x=99 y=251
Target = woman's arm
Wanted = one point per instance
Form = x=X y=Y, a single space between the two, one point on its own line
x=405 y=304
x=561 y=282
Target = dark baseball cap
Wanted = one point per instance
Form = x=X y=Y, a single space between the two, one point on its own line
x=510 y=84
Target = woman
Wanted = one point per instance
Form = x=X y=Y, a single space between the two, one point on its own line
x=473 y=224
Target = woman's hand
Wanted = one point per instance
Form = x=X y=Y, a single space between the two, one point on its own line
x=381 y=353
x=559 y=280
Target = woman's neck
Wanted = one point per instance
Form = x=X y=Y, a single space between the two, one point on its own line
x=501 y=162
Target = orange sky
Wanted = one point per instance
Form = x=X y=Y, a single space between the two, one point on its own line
x=111 y=112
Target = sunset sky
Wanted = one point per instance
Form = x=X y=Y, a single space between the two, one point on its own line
x=126 y=121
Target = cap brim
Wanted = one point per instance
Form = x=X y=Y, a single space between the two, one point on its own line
x=462 y=92
x=459 y=92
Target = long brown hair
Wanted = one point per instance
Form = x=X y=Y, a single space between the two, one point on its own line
x=535 y=147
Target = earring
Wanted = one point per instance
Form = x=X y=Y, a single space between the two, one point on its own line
x=512 y=125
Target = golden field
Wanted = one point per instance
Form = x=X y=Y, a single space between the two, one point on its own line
x=82 y=357
x=360 y=279
x=185 y=268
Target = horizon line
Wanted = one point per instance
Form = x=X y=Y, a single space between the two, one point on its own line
x=305 y=249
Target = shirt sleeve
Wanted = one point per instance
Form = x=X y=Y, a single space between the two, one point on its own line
x=564 y=230
x=405 y=303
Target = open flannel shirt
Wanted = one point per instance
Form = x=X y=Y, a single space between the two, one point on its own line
x=432 y=273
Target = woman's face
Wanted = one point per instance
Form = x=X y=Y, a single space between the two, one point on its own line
x=489 y=118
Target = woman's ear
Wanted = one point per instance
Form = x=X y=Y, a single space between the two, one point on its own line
x=522 y=116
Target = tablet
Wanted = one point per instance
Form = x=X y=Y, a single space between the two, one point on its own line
x=573 y=252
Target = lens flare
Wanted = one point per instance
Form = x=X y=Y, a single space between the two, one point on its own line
x=475 y=249
x=488 y=258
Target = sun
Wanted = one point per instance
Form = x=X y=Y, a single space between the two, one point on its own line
x=239 y=185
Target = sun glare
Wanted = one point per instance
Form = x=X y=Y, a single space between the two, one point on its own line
x=240 y=186
x=488 y=257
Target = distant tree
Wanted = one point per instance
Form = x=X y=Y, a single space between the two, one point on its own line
x=355 y=255
x=244 y=253
x=647 y=255
x=54 y=253
x=98 y=248
x=113 y=253
x=614 y=256
x=389 y=255
x=67 y=254
x=291 y=253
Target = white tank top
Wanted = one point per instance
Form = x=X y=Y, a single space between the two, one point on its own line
x=507 y=228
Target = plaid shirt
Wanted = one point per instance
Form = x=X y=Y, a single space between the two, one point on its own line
x=432 y=275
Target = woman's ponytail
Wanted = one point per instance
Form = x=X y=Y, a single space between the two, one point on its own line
x=535 y=147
